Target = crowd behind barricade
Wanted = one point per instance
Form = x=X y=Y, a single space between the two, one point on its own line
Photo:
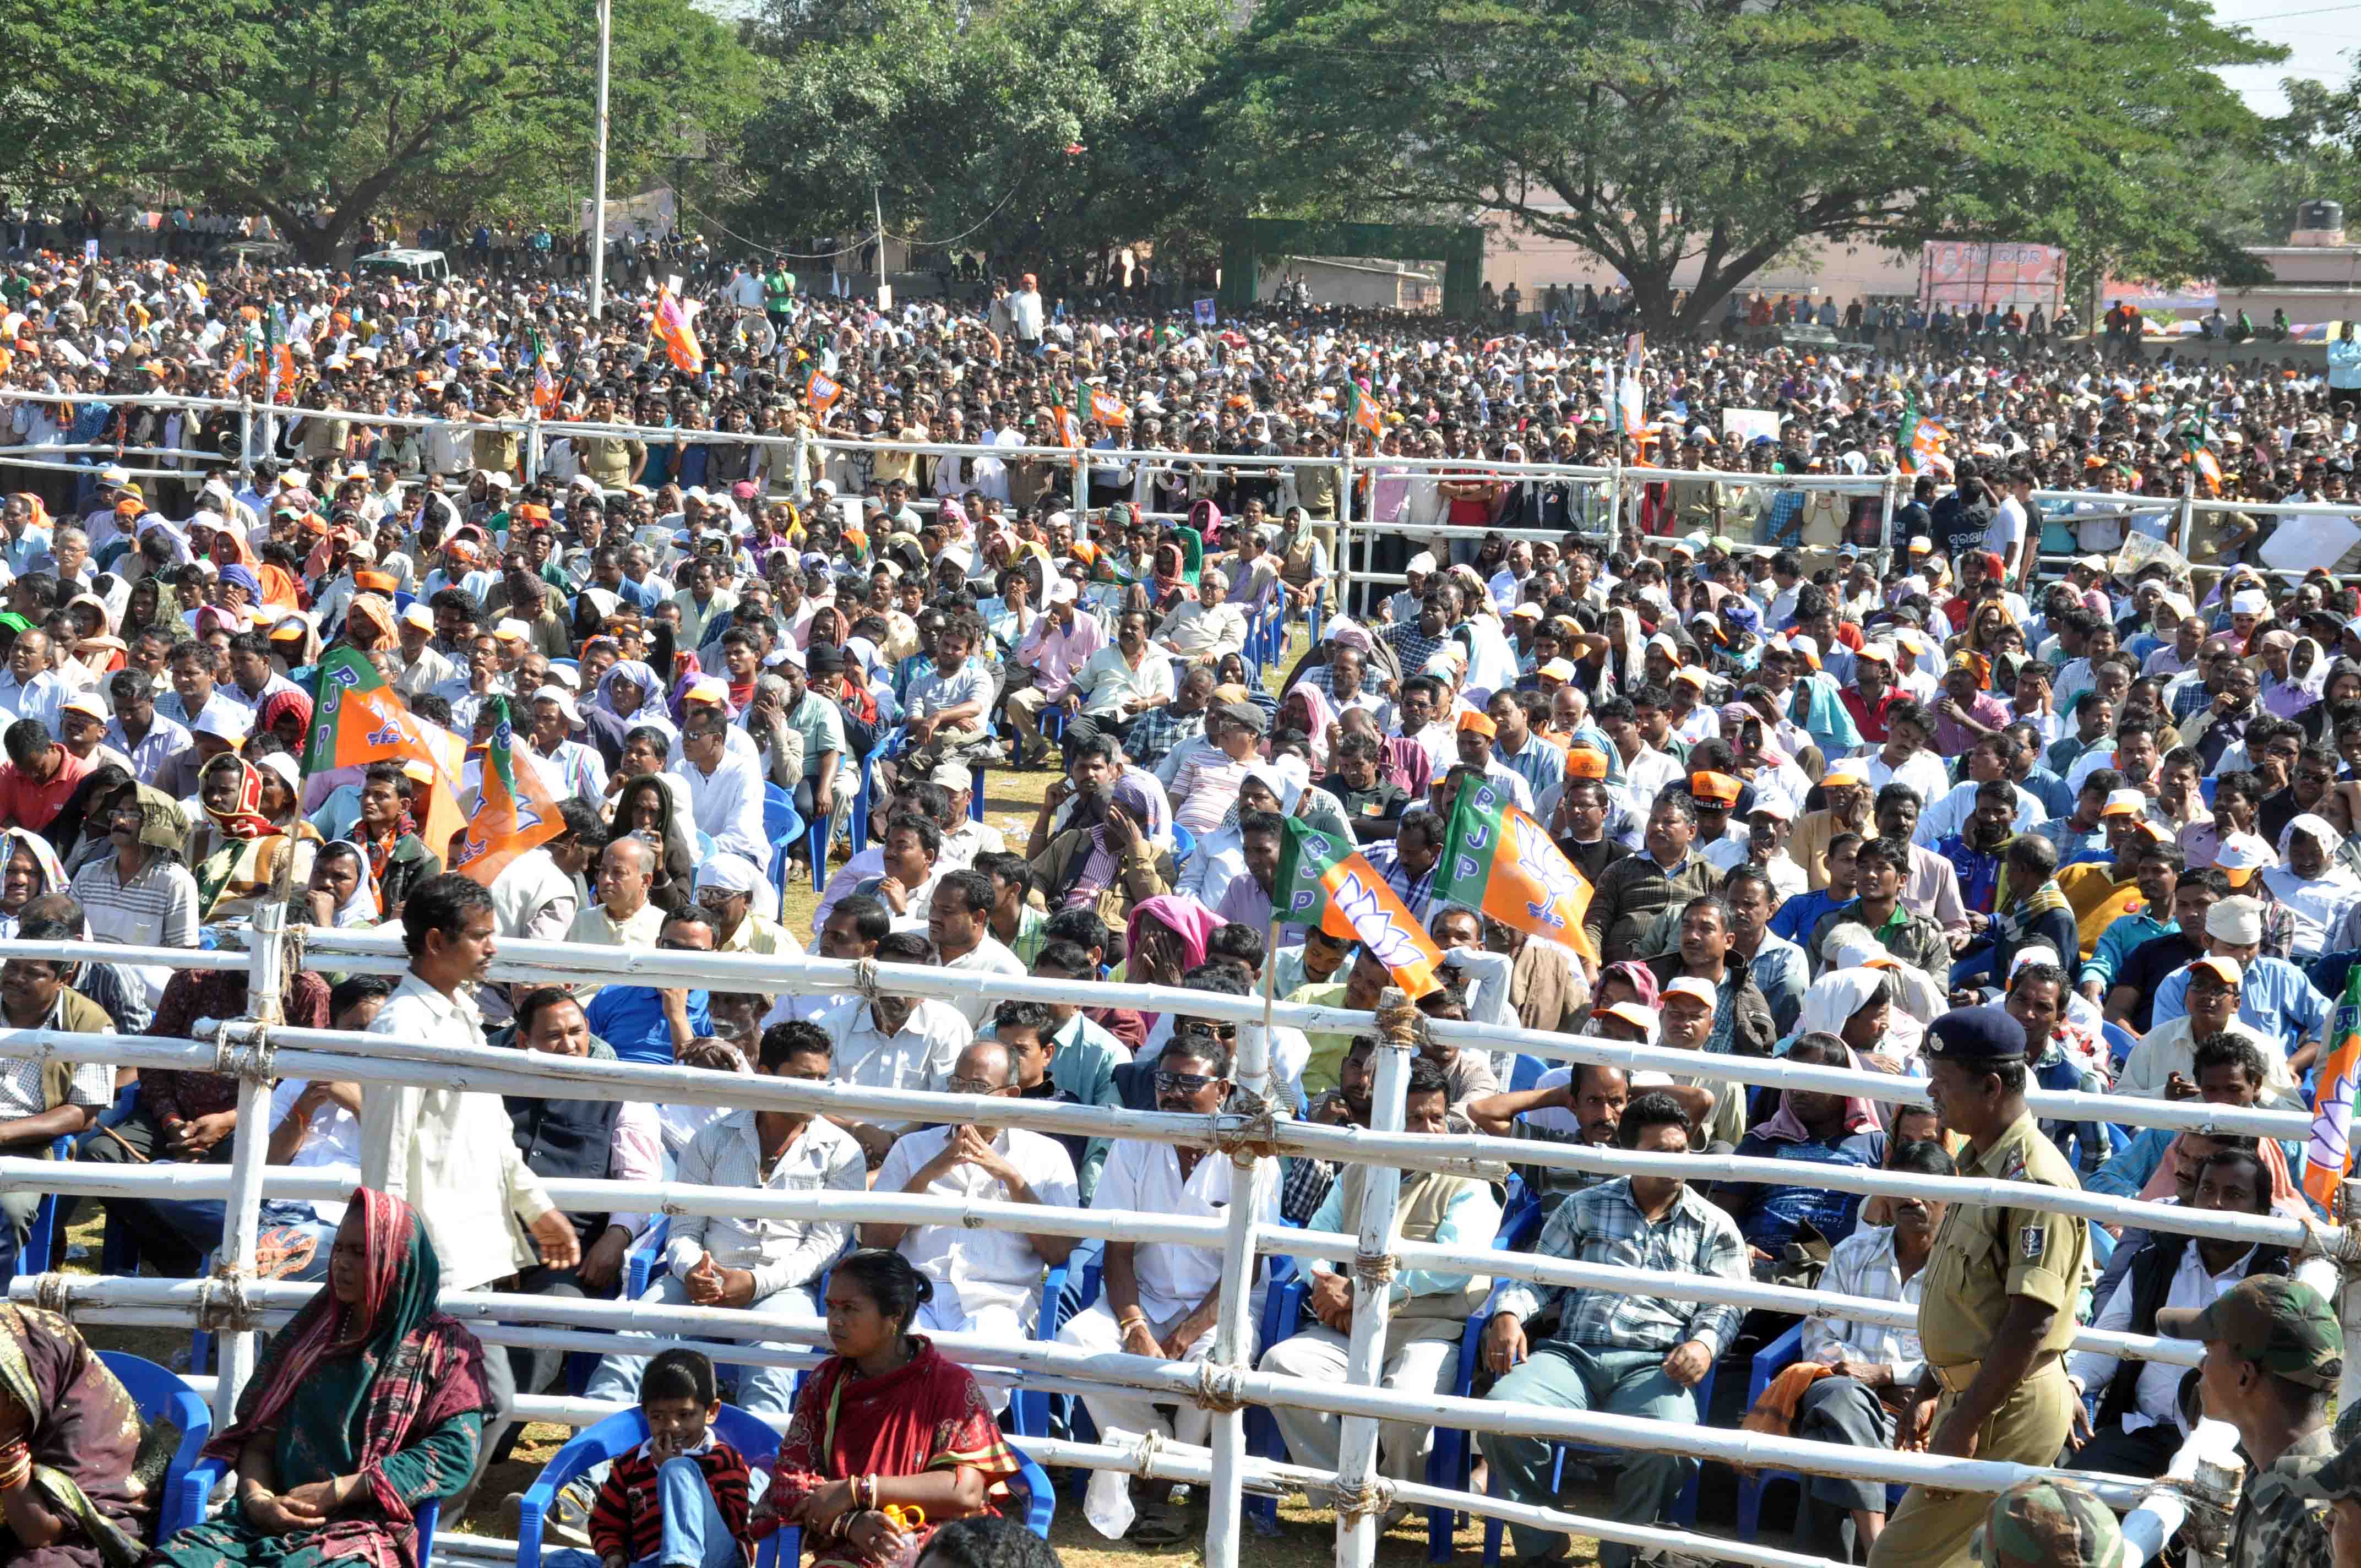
x=1956 y=818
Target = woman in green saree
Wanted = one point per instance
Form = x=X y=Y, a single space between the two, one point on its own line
x=369 y=1404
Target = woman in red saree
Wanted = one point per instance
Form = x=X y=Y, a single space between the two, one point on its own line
x=886 y=1420
x=367 y=1405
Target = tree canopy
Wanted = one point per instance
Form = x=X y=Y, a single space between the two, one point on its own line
x=1724 y=133
x=476 y=107
x=1037 y=129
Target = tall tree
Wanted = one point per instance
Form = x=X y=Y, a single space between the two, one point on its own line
x=352 y=108
x=1039 y=127
x=1707 y=137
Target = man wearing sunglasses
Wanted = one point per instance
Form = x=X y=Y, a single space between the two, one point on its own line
x=1160 y=1298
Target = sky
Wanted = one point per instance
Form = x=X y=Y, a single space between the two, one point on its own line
x=2320 y=40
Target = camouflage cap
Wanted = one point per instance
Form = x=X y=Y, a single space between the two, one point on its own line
x=2282 y=1325
x=2051 y=1523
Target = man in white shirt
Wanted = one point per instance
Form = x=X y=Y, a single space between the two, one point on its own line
x=1117 y=685
x=895 y=1042
x=958 y=921
x=987 y=1282
x=193 y=696
x=1200 y=631
x=1947 y=813
x=762 y=1264
x=448 y=1153
x=1159 y=1299
x=622 y=916
x=725 y=790
x=1905 y=758
x=27 y=688
x=2141 y=1422
x=1646 y=770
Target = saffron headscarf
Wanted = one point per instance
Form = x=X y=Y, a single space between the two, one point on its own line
x=244 y=819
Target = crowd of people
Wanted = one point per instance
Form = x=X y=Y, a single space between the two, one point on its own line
x=1914 y=801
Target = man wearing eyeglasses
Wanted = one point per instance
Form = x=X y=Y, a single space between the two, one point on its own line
x=987 y=1281
x=727 y=889
x=1159 y=1299
x=653 y=1024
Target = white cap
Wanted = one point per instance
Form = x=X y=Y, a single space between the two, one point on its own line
x=562 y=697
x=733 y=871
x=2124 y=803
x=2249 y=601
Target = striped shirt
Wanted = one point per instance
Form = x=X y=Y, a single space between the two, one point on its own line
x=627 y=1519
x=1602 y=1224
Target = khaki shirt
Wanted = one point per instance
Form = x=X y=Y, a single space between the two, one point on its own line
x=1983 y=1255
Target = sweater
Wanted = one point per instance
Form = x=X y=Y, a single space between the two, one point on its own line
x=627 y=1518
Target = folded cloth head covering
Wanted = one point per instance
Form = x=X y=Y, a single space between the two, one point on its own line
x=162 y=824
x=277 y=705
x=1639 y=976
x=1836 y=996
x=243 y=819
x=361 y=908
x=238 y=576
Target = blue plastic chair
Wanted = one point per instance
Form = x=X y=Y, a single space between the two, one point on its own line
x=1028 y=1408
x=887 y=744
x=42 y=1240
x=1184 y=844
x=207 y=1473
x=779 y=817
x=1769 y=1362
x=158 y=1392
x=975 y=792
x=618 y=1435
x=1526 y=1072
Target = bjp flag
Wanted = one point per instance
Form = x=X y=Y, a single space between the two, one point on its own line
x=2330 y=1153
x=679 y=337
x=359 y=718
x=1500 y=863
x=1362 y=410
x=514 y=810
x=822 y=391
x=1326 y=881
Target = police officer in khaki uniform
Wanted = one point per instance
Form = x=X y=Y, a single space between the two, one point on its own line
x=2001 y=1288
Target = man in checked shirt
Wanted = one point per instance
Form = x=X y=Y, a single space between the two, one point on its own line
x=1621 y=1354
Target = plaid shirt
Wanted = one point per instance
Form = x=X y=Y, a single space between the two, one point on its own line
x=1602 y=1224
x=1417 y=893
x=1154 y=734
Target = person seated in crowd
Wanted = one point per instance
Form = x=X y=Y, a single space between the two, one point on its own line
x=2276 y=999
x=2162 y=1066
x=2131 y=999
x=989 y=1281
x=141 y=894
x=959 y=920
x=623 y=916
x=1699 y=949
x=1581 y=1104
x=1912 y=938
x=2141 y=1418
x=188 y=1116
x=2227 y=1070
x=892 y=1042
x=728 y=889
x=595 y=1140
x=1030 y=1030
x=1625 y=1353
x=683 y=1497
x=886 y=1420
x=1871 y=1369
x=1159 y=1298
x=1429 y=1306
x=655 y=1024
x=1790 y=1229
x=764 y=1264
x=912 y=864
x=1637 y=889
x=371 y=1402
x=73 y=1489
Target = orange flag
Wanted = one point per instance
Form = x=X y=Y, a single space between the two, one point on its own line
x=514 y=810
x=1499 y=862
x=1328 y=882
x=679 y=337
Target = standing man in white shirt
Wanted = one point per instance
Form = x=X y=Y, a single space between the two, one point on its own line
x=987 y=1282
x=448 y=1153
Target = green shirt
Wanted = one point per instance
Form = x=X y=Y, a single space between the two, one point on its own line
x=778 y=289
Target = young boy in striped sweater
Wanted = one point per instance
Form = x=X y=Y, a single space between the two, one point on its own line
x=678 y=1500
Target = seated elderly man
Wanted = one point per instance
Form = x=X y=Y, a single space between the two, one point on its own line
x=1159 y=1298
x=763 y=1265
x=1625 y=1353
x=1421 y=1350
x=986 y=1282
x=1873 y=1368
x=894 y=1042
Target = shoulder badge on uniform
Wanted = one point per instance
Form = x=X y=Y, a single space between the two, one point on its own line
x=2015 y=1166
x=2031 y=1241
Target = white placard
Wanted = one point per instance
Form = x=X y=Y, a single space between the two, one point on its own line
x=2309 y=540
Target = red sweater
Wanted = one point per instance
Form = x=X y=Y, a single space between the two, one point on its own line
x=627 y=1519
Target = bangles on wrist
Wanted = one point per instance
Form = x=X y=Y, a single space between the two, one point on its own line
x=16 y=1466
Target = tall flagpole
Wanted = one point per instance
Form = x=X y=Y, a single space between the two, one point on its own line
x=598 y=174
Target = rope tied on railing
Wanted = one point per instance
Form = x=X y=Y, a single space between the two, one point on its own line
x=1220 y=1389
x=1374 y=1269
x=54 y=1293
x=864 y=977
x=1249 y=1133
x=223 y=1304
x=1399 y=1023
x=1372 y=1496
x=252 y=1062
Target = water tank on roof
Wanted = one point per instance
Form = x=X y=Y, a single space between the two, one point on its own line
x=2319 y=222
